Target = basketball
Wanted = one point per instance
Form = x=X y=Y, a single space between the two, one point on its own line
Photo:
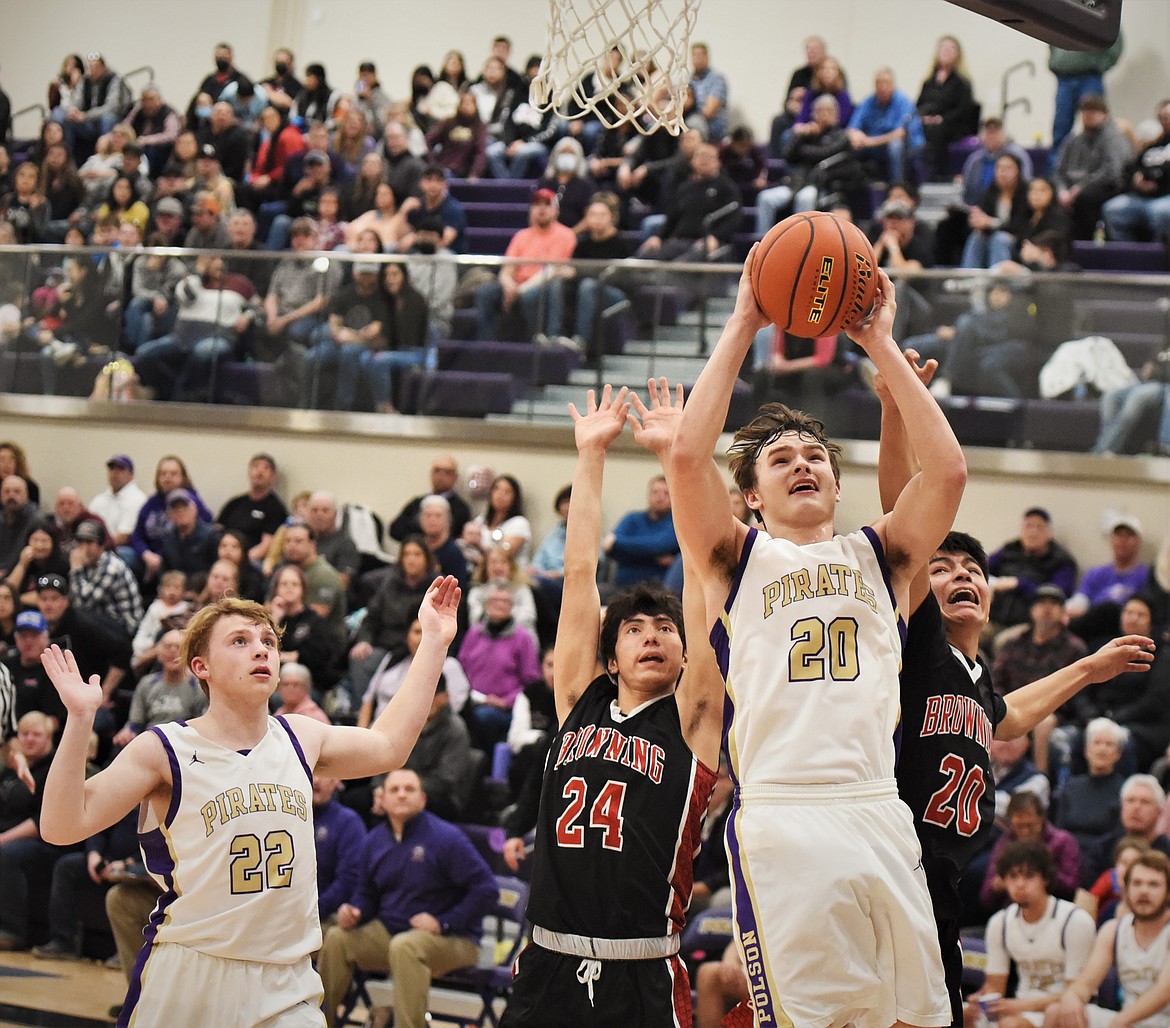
x=814 y=275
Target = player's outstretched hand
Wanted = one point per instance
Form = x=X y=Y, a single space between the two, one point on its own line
x=877 y=327
x=925 y=373
x=81 y=698
x=1125 y=653
x=602 y=421
x=747 y=307
x=655 y=426
x=438 y=612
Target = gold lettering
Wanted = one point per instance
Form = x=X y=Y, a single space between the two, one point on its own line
x=302 y=808
x=255 y=800
x=825 y=586
x=269 y=791
x=235 y=798
x=771 y=595
x=208 y=811
x=802 y=584
x=287 y=804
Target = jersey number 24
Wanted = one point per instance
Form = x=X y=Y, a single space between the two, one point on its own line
x=605 y=814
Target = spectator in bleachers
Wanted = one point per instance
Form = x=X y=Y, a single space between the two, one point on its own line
x=885 y=130
x=155 y=124
x=65 y=90
x=208 y=230
x=231 y=140
x=1109 y=889
x=436 y=201
x=25 y=207
x=500 y=657
x=307 y=638
x=296 y=682
x=324 y=588
x=352 y=140
x=63 y=189
x=387 y=218
x=1079 y=73
x=1145 y=209
x=391 y=612
x=371 y=99
x=815 y=50
x=1090 y=803
x=358 y=196
x=443 y=759
x=19 y=517
x=979 y=168
x=498 y=565
x=14 y=461
x=316 y=100
x=153 y=306
x=584 y=125
x=946 y=105
x=431 y=101
x=1023 y=565
x=169 y=694
x=334 y=543
x=534 y=720
x=533 y=290
x=711 y=93
x=1005 y=201
x=41 y=555
x=125 y=203
x=99 y=580
x=413 y=918
x=642 y=544
x=410 y=337
x=191 y=547
x=744 y=161
x=822 y=165
x=167 y=610
x=278 y=141
x=1142 y=803
x=444 y=477
x=827 y=80
x=1091 y=166
x=153 y=526
x=453 y=70
x=31 y=688
x=780 y=133
x=402 y=168
x=104 y=98
x=595 y=291
x=567 y=175
x=502 y=522
x=435 y=523
x=1122 y=410
x=1097 y=602
x=703 y=216
x=225 y=72
x=339 y=834
x=650 y=170
x=282 y=86
x=520 y=148
x=210 y=178
x=459 y=143
x=21 y=846
x=501 y=50
x=1043 y=218
x=118 y=505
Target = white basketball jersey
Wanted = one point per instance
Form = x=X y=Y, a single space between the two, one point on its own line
x=236 y=855
x=1138 y=968
x=810 y=645
x=1049 y=953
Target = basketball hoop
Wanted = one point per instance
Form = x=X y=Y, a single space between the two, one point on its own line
x=648 y=86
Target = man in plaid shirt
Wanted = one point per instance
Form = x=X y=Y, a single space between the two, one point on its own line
x=100 y=581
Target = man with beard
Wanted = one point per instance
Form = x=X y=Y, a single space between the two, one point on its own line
x=1137 y=945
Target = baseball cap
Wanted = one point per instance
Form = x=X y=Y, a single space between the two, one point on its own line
x=544 y=196
x=1124 y=521
x=895 y=209
x=53 y=581
x=120 y=460
x=1049 y=592
x=168 y=205
x=31 y=621
x=89 y=531
x=179 y=496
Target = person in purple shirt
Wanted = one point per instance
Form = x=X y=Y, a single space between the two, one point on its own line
x=340 y=834
x=1095 y=607
x=153 y=526
x=416 y=911
x=1027 y=823
x=1022 y=565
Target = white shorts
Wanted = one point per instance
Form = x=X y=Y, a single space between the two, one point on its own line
x=183 y=988
x=833 y=917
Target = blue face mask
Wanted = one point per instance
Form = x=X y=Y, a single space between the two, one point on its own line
x=202 y=112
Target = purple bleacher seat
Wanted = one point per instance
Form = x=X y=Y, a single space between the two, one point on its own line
x=248 y=383
x=488 y=241
x=496 y=215
x=463 y=323
x=740 y=410
x=528 y=363
x=959 y=151
x=459 y=394
x=1039 y=155
x=983 y=420
x=1122 y=257
x=1070 y=425
x=1106 y=316
x=492 y=190
x=20 y=373
x=668 y=301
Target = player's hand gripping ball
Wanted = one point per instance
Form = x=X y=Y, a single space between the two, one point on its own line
x=815 y=275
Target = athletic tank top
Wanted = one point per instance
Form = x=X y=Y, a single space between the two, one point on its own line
x=621 y=813
x=235 y=855
x=1138 y=968
x=809 y=646
x=1049 y=953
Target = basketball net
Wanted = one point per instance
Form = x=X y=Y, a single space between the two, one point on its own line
x=649 y=86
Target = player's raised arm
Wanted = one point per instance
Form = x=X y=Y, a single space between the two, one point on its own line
x=579 y=627
x=700 y=692
x=75 y=808
x=926 y=508
x=897 y=464
x=1030 y=704
x=346 y=752
x=708 y=534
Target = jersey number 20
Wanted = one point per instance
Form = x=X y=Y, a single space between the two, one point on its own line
x=944 y=805
x=605 y=814
x=258 y=866
x=821 y=651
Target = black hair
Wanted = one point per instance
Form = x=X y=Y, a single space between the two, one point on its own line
x=648 y=598
x=563 y=494
x=1026 y=856
x=961 y=542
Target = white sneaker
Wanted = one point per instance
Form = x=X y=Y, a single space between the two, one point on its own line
x=569 y=343
x=541 y=339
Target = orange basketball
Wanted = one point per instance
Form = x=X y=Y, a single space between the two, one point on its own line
x=814 y=275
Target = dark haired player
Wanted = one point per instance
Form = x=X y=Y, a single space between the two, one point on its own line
x=627 y=780
x=950 y=712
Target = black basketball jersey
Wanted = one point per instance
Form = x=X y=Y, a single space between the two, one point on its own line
x=621 y=814
x=949 y=714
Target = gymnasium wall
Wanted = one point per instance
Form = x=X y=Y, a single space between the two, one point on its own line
x=756 y=43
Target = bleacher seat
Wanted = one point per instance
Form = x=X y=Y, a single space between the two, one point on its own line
x=492 y=190
x=497 y=215
x=1070 y=425
x=489 y=242
x=458 y=394
x=249 y=383
x=528 y=363
x=1139 y=258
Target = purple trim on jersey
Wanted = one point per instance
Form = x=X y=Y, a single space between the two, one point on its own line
x=748 y=543
x=745 y=922
x=296 y=745
x=720 y=642
x=880 y=553
x=176 y=777
x=149 y=933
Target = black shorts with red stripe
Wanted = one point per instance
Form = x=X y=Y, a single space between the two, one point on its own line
x=555 y=990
